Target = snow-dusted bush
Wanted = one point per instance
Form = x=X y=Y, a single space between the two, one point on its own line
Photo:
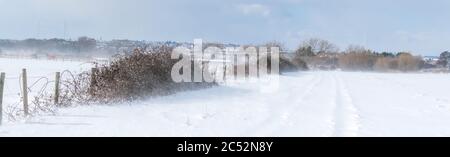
x=142 y=74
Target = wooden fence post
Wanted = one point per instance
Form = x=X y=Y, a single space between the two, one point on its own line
x=25 y=91
x=57 y=78
x=2 y=84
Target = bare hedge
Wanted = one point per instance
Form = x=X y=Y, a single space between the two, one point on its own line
x=142 y=74
x=360 y=61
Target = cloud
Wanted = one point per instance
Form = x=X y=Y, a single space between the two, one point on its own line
x=414 y=25
x=254 y=9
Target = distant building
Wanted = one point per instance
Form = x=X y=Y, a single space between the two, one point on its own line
x=431 y=59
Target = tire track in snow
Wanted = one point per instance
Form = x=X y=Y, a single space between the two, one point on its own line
x=283 y=113
x=346 y=117
x=295 y=103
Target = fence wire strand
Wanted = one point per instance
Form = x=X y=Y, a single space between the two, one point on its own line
x=37 y=90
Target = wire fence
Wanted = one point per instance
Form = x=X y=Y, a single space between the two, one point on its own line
x=37 y=88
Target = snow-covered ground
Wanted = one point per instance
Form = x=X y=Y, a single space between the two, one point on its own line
x=305 y=104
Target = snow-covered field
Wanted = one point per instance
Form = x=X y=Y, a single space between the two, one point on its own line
x=306 y=104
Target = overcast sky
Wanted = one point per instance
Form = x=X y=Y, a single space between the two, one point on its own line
x=420 y=26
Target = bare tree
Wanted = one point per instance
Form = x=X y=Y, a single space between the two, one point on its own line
x=319 y=46
x=317 y=53
x=275 y=44
x=357 y=49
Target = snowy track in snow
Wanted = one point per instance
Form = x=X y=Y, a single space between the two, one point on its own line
x=306 y=104
x=346 y=118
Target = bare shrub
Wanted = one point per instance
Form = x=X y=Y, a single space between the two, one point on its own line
x=300 y=63
x=357 y=61
x=408 y=62
x=142 y=74
x=385 y=64
x=318 y=46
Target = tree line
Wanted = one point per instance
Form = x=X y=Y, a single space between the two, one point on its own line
x=311 y=54
x=324 y=55
x=82 y=45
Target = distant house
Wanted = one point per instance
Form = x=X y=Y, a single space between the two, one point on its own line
x=433 y=60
